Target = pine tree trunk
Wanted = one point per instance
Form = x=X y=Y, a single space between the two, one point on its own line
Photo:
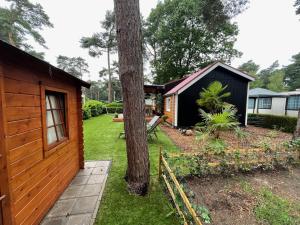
x=297 y=131
x=11 y=39
x=131 y=74
x=109 y=76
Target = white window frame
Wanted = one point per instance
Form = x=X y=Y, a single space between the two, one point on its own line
x=168 y=104
x=293 y=102
x=265 y=103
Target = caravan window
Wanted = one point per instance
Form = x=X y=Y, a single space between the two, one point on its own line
x=251 y=103
x=293 y=102
x=264 y=103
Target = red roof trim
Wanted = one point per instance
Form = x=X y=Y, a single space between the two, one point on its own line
x=202 y=72
x=189 y=79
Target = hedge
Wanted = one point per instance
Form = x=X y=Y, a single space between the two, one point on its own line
x=114 y=109
x=92 y=108
x=284 y=123
x=86 y=113
x=114 y=105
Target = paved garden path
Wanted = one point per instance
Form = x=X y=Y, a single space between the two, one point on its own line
x=79 y=203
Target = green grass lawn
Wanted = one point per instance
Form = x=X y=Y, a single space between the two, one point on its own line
x=117 y=206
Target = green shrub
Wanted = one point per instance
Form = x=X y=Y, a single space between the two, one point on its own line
x=216 y=146
x=283 y=123
x=95 y=107
x=114 y=110
x=214 y=123
x=114 y=107
x=86 y=113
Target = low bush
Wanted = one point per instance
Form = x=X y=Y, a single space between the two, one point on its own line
x=92 y=107
x=114 y=110
x=114 y=107
x=283 y=123
x=236 y=161
x=86 y=111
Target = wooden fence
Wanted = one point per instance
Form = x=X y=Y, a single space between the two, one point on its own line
x=164 y=169
x=167 y=175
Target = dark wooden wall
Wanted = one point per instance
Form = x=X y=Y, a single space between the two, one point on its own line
x=35 y=181
x=188 y=110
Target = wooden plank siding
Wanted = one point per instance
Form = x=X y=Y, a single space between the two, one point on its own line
x=36 y=180
x=4 y=187
x=171 y=113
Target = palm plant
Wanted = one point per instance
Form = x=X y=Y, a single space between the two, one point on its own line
x=212 y=97
x=217 y=122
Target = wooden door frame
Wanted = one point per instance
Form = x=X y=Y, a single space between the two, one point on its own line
x=4 y=187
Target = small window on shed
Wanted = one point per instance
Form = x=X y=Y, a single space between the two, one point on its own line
x=168 y=104
x=265 y=103
x=55 y=118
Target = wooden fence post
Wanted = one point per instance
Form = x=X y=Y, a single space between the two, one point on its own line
x=159 y=162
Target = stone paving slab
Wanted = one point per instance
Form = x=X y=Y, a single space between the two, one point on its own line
x=79 y=203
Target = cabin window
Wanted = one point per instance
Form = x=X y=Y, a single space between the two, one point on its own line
x=251 y=103
x=55 y=118
x=168 y=104
x=293 y=102
x=265 y=103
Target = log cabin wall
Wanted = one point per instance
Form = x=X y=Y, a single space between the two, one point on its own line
x=36 y=179
x=171 y=112
x=4 y=191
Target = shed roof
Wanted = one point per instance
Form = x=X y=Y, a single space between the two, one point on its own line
x=194 y=77
x=19 y=55
x=261 y=92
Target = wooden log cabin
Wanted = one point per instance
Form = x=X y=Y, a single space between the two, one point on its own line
x=41 y=145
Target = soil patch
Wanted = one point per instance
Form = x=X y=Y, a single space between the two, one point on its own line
x=231 y=201
x=255 y=138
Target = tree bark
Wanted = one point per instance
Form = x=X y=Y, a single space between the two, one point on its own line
x=109 y=76
x=297 y=131
x=11 y=39
x=129 y=40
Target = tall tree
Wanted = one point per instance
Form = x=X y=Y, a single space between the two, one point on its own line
x=76 y=66
x=129 y=37
x=292 y=73
x=249 y=67
x=115 y=81
x=102 y=42
x=265 y=74
x=183 y=35
x=97 y=91
x=252 y=68
x=23 y=19
x=276 y=81
x=297 y=5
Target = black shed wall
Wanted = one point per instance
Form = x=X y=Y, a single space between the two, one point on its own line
x=188 y=113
